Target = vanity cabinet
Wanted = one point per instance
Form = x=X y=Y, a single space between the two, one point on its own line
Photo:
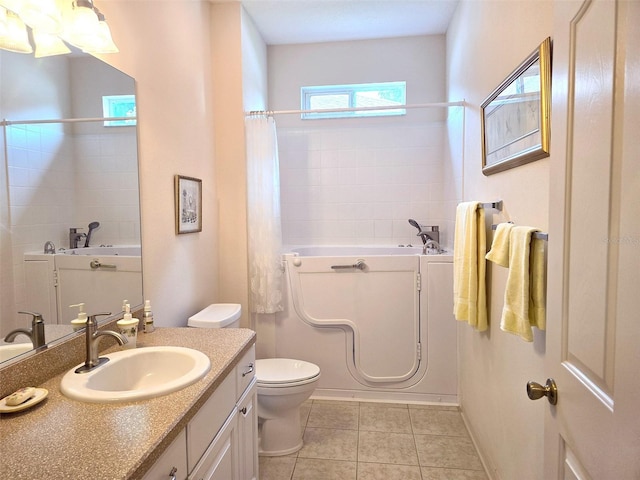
x=221 y=441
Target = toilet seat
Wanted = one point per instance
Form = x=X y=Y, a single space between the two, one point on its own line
x=285 y=372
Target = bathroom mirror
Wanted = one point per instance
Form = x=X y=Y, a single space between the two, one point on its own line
x=63 y=167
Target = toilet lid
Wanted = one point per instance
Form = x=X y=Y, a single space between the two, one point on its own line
x=284 y=370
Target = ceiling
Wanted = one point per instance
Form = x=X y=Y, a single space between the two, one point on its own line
x=309 y=21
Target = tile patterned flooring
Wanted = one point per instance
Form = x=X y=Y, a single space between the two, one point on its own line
x=378 y=441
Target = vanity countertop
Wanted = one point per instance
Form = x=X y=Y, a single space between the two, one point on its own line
x=63 y=438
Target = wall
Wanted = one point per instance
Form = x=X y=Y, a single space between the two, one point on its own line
x=485 y=42
x=358 y=181
x=165 y=46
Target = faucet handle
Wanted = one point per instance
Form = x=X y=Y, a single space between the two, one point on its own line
x=37 y=317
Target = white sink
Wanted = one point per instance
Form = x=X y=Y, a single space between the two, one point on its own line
x=137 y=374
x=11 y=350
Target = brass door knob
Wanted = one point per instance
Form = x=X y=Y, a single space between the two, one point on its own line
x=536 y=391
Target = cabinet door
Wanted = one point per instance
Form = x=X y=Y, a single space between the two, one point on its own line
x=172 y=464
x=248 y=434
x=220 y=461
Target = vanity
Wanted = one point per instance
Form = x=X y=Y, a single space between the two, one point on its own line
x=207 y=430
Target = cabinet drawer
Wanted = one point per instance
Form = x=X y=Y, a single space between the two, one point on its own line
x=173 y=461
x=208 y=421
x=245 y=370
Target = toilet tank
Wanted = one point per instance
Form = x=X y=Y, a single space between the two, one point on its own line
x=217 y=315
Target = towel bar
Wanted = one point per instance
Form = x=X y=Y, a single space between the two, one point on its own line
x=538 y=235
x=497 y=205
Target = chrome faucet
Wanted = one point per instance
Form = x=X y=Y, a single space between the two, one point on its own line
x=426 y=232
x=36 y=334
x=74 y=237
x=93 y=337
x=431 y=247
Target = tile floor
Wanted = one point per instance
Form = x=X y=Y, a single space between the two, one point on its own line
x=378 y=441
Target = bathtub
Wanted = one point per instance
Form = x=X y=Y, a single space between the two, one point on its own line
x=99 y=277
x=376 y=319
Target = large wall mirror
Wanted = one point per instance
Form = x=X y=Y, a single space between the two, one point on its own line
x=63 y=168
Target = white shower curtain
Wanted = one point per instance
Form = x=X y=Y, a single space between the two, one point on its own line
x=7 y=288
x=263 y=205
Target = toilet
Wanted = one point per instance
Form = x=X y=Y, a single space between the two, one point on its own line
x=283 y=384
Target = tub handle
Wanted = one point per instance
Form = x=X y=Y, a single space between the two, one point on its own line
x=96 y=264
x=359 y=265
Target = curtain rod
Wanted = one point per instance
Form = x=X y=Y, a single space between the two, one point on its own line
x=6 y=122
x=357 y=109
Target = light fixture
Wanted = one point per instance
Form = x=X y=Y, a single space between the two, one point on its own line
x=42 y=15
x=48 y=44
x=78 y=23
x=105 y=42
x=81 y=24
x=15 y=37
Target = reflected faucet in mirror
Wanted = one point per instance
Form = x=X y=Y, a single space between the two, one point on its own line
x=36 y=334
x=75 y=236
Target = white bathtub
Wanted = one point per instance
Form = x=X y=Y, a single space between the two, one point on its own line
x=355 y=250
x=377 y=320
x=99 y=277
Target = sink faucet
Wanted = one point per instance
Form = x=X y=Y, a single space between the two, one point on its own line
x=74 y=237
x=36 y=334
x=93 y=337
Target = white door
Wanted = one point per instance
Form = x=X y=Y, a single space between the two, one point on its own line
x=593 y=338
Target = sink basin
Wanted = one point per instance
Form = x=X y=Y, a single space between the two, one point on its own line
x=137 y=374
x=11 y=350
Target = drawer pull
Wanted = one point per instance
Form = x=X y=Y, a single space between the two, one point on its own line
x=243 y=410
x=244 y=374
x=172 y=473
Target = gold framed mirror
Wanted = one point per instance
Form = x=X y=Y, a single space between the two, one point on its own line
x=515 y=117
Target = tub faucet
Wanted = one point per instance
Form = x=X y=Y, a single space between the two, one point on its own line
x=93 y=337
x=74 y=237
x=426 y=232
x=36 y=334
x=431 y=247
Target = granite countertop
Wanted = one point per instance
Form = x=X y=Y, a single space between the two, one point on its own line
x=63 y=438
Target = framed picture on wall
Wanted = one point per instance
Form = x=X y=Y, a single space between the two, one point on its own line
x=188 y=200
x=516 y=116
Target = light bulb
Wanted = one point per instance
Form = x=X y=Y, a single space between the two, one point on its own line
x=15 y=38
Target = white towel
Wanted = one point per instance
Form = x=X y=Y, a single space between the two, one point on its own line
x=470 y=246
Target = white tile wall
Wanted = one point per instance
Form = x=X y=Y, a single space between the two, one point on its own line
x=360 y=185
x=58 y=180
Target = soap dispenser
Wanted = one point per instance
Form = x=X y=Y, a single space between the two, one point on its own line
x=128 y=326
x=147 y=317
x=80 y=321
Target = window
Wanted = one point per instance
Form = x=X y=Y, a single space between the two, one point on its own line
x=365 y=95
x=117 y=106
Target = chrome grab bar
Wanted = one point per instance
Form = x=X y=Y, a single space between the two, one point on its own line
x=96 y=264
x=359 y=265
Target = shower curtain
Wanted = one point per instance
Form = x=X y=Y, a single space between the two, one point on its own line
x=7 y=286
x=263 y=214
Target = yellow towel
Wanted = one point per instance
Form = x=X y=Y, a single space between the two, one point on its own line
x=470 y=245
x=524 y=294
x=499 y=253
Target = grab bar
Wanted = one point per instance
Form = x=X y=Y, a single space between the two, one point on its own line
x=359 y=265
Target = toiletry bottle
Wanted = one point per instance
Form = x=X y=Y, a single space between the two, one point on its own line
x=128 y=326
x=81 y=320
x=147 y=317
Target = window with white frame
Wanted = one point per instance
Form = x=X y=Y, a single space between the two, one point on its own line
x=363 y=96
x=121 y=107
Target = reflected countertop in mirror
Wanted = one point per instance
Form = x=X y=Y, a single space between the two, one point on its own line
x=63 y=167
